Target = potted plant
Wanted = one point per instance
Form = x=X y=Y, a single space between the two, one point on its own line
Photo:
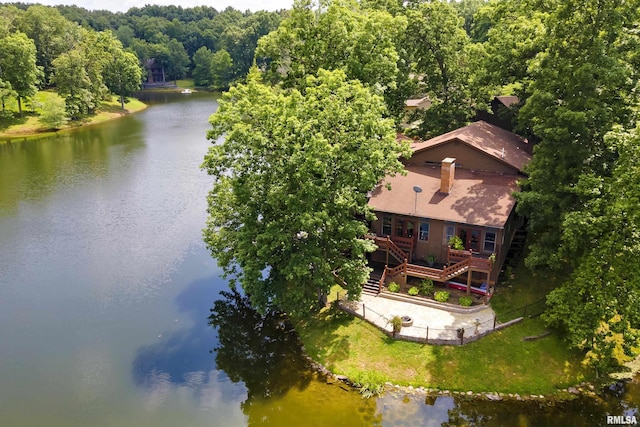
x=431 y=260
x=455 y=242
x=396 y=323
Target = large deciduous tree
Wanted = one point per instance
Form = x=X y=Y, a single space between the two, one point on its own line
x=583 y=84
x=122 y=73
x=288 y=210
x=597 y=307
x=336 y=35
x=442 y=55
x=18 y=66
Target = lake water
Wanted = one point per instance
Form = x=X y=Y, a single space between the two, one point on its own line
x=106 y=290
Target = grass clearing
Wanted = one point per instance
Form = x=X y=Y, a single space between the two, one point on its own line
x=500 y=362
x=12 y=125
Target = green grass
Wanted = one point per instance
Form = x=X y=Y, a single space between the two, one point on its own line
x=186 y=83
x=499 y=362
x=12 y=125
x=524 y=288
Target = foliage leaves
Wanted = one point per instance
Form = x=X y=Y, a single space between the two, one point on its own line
x=288 y=207
x=598 y=306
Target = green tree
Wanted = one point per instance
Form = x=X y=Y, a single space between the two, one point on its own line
x=597 y=307
x=6 y=92
x=288 y=210
x=202 y=72
x=337 y=35
x=18 y=66
x=72 y=82
x=583 y=84
x=53 y=115
x=122 y=73
x=51 y=33
x=441 y=52
x=221 y=69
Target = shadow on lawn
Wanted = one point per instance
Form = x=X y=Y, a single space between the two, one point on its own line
x=10 y=118
x=323 y=342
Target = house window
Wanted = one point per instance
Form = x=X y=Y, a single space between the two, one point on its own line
x=489 y=241
x=450 y=231
x=386 y=225
x=399 y=227
x=424 y=231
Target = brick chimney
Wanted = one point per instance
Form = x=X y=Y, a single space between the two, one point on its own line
x=447 y=173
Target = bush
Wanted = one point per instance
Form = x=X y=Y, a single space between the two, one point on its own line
x=426 y=287
x=465 y=301
x=441 y=296
x=393 y=287
x=369 y=383
x=53 y=115
x=413 y=291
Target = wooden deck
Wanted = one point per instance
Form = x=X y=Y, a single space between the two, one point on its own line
x=460 y=262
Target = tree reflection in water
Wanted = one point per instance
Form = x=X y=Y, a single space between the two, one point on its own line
x=265 y=353
x=262 y=351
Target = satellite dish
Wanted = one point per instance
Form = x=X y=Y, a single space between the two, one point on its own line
x=417 y=189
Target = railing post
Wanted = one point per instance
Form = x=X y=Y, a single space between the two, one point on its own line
x=387 y=250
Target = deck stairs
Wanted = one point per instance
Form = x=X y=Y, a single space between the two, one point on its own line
x=460 y=262
x=372 y=286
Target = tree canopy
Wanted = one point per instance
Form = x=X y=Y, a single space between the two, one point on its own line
x=288 y=210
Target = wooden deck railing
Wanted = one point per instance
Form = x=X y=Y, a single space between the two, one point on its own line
x=386 y=243
x=382 y=279
x=463 y=262
x=392 y=272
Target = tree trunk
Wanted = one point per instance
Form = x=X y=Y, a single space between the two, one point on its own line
x=20 y=105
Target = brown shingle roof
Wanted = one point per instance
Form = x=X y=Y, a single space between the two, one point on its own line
x=476 y=198
x=501 y=144
x=507 y=100
x=414 y=102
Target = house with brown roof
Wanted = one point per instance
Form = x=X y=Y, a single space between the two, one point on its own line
x=411 y=105
x=457 y=184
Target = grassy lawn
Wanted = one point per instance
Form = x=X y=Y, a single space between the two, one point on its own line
x=499 y=362
x=13 y=126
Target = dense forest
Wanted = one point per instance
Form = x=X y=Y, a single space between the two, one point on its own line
x=573 y=65
x=84 y=55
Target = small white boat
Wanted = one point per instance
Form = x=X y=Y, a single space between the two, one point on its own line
x=186 y=91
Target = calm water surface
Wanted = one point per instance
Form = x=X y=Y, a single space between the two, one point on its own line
x=106 y=291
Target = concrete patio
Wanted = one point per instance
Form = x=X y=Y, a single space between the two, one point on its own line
x=430 y=324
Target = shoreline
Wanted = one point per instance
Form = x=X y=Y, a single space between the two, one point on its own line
x=583 y=389
x=101 y=116
x=375 y=364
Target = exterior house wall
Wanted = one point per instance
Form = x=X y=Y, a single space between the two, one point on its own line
x=466 y=157
x=437 y=242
